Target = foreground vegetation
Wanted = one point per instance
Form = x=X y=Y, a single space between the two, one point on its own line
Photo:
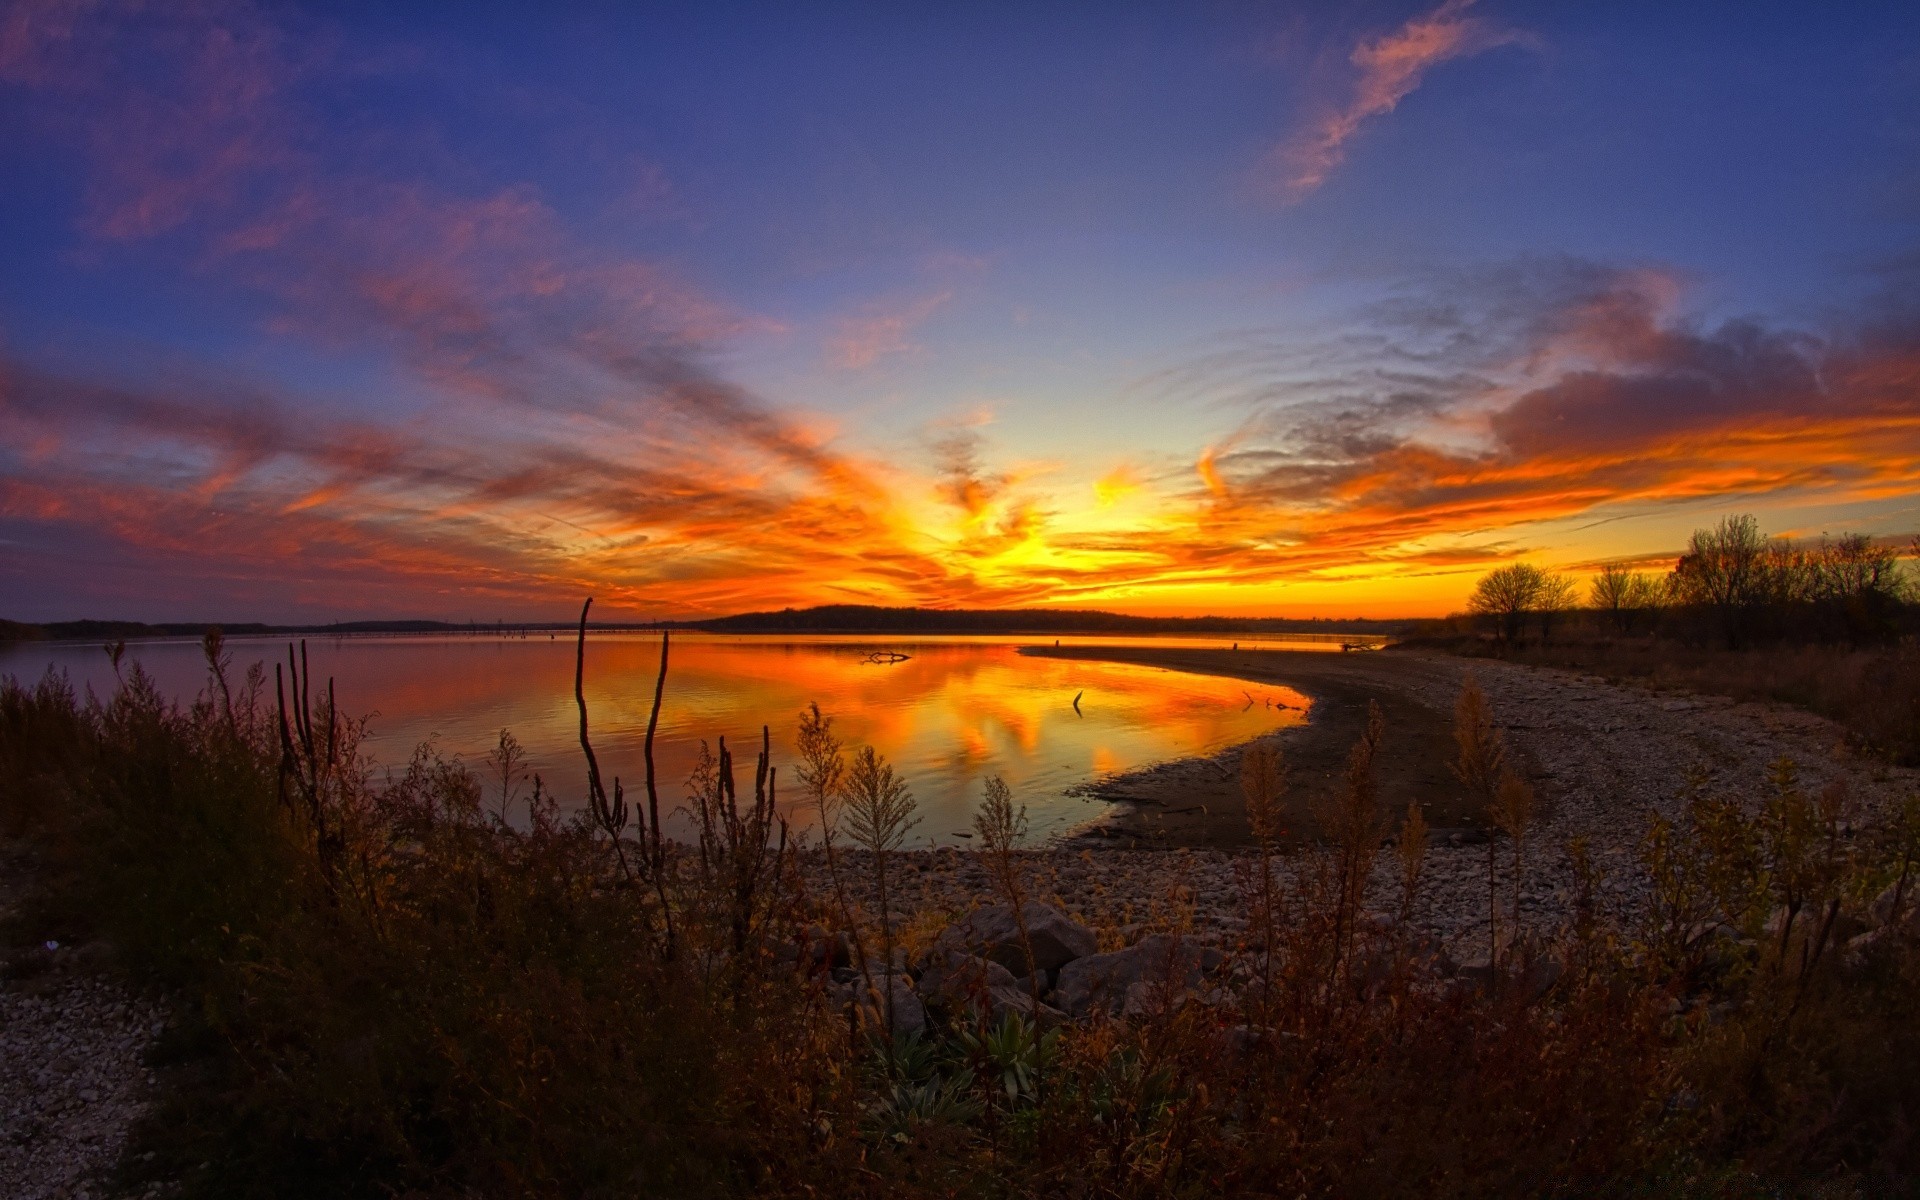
x=431 y=984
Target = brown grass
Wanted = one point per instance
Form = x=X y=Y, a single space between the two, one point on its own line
x=386 y=988
x=1873 y=691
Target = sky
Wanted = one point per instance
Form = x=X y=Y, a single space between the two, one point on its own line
x=463 y=312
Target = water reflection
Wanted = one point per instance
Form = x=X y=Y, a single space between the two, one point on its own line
x=956 y=711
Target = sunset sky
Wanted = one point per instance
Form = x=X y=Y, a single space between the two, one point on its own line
x=465 y=311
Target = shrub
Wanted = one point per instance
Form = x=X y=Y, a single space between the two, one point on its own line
x=387 y=988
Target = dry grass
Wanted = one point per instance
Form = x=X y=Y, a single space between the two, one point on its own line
x=1872 y=690
x=389 y=988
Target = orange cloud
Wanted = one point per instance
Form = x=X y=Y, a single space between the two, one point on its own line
x=1116 y=485
x=561 y=430
x=1390 y=68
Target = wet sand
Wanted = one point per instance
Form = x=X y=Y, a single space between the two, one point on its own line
x=1196 y=802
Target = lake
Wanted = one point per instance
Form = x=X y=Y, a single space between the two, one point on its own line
x=957 y=710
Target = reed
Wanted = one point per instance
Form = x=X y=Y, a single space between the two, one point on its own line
x=386 y=988
x=1001 y=828
x=879 y=815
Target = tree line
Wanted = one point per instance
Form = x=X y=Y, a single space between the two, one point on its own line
x=1733 y=583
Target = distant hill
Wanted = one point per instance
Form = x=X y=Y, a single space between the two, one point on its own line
x=16 y=631
x=865 y=618
x=830 y=618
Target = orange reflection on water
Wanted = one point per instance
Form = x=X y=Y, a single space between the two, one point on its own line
x=955 y=712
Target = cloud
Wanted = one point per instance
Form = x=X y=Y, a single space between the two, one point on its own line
x=553 y=423
x=1423 y=440
x=1558 y=389
x=1116 y=485
x=546 y=417
x=1389 y=69
x=882 y=331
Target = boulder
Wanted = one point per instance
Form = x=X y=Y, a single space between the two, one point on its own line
x=952 y=976
x=1807 y=926
x=993 y=933
x=820 y=949
x=1882 y=910
x=909 y=1014
x=1152 y=999
x=1005 y=999
x=1533 y=974
x=1104 y=980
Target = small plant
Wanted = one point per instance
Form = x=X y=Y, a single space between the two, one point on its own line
x=879 y=815
x=1512 y=814
x=1015 y=1055
x=1263 y=783
x=506 y=760
x=1002 y=828
x=1411 y=849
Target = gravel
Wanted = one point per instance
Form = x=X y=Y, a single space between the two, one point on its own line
x=73 y=1079
x=1604 y=759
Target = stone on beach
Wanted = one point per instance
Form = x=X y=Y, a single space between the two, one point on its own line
x=1107 y=979
x=994 y=933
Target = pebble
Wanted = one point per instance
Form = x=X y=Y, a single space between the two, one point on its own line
x=73 y=1080
x=1610 y=757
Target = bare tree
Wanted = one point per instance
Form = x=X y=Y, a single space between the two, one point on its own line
x=1557 y=595
x=1724 y=571
x=1623 y=595
x=1507 y=594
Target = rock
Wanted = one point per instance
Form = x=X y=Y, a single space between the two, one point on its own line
x=1106 y=979
x=1005 y=999
x=1474 y=974
x=1807 y=925
x=824 y=949
x=1149 y=999
x=1720 y=949
x=993 y=933
x=952 y=977
x=1882 y=912
x=909 y=1014
x=1537 y=976
x=1861 y=948
x=1240 y=1041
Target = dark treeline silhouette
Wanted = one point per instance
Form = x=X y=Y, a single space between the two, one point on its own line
x=832 y=618
x=18 y=631
x=1832 y=625
x=1733 y=586
x=866 y=618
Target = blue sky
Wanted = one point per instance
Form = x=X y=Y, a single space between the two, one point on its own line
x=1175 y=308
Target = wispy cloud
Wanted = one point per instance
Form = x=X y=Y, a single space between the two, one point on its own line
x=551 y=420
x=1476 y=408
x=1388 y=69
x=882 y=330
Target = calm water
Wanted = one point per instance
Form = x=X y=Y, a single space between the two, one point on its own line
x=958 y=710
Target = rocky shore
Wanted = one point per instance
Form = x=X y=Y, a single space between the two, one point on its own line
x=74 y=1078
x=1603 y=758
x=1173 y=859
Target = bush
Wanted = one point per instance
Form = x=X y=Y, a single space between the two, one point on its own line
x=387 y=987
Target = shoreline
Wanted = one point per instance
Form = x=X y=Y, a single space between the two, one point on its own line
x=1605 y=759
x=1196 y=803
